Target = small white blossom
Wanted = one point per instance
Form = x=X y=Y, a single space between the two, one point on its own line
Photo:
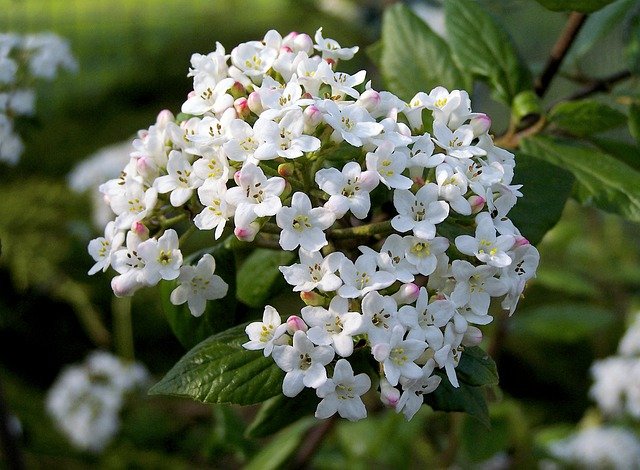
x=263 y=334
x=348 y=189
x=419 y=212
x=342 y=392
x=303 y=225
x=314 y=271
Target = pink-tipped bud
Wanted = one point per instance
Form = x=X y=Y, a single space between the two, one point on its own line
x=313 y=299
x=255 y=102
x=295 y=323
x=238 y=90
x=370 y=99
x=389 y=395
x=521 y=241
x=242 y=108
x=418 y=181
x=165 y=117
x=331 y=62
x=312 y=117
x=191 y=94
x=285 y=49
x=141 y=230
x=247 y=234
x=303 y=43
x=407 y=294
x=472 y=337
x=286 y=169
x=125 y=285
x=146 y=167
x=477 y=203
x=236 y=177
x=480 y=124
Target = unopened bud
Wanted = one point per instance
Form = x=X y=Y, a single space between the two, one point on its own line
x=141 y=230
x=407 y=294
x=286 y=169
x=295 y=323
x=165 y=117
x=521 y=241
x=238 y=90
x=242 y=108
x=472 y=337
x=286 y=192
x=125 y=285
x=236 y=177
x=477 y=203
x=255 y=102
x=480 y=124
x=389 y=395
x=370 y=99
x=247 y=234
x=331 y=62
x=313 y=299
x=312 y=117
x=145 y=166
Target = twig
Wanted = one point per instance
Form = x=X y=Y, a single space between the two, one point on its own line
x=559 y=51
x=602 y=84
x=312 y=442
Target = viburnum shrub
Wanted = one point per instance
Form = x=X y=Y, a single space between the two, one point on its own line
x=396 y=215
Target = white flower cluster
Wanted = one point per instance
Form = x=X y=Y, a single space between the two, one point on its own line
x=24 y=58
x=274 y=131
x=86 y=399
x=616 y=387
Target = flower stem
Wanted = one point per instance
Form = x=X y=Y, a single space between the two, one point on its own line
x=377 y=228
x=122 y=328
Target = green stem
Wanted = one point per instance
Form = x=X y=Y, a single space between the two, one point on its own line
x=122 y=327
x=378 y=228
x=173 y=220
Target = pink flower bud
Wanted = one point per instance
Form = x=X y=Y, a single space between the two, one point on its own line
x=408 y=293
x=389 y=395
x=480 y=124
x=521 y=241
x=303 y=43
x=165 y=117
x=313 y=299
x=247 y=234
x=370 y=99
x=125 y=285
x=236 y=177
x=312 y=117
x=472 y=337
x=238 y=90
x=242 y=108
x=141 y=230
x=286 y=169
x=254 y=102
x=295 y=323
x=286 y=49
x=331 y=62
x=146 y=166
x=477 y=203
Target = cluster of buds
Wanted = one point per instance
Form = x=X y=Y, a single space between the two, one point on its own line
x=23 y=59
x=398 y=212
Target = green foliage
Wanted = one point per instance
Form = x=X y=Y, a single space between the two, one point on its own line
x=413 y=57
x=482 y=47
x=586 y=117
x=220 y=370
x=607 y=183
x=585 y=6
x=274 y=455
x=259 y=278
x=634 y=122
x=280 y=411
x=540 y=208
x=218 y=316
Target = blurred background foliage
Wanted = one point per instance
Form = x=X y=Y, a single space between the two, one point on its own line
x=134 y=57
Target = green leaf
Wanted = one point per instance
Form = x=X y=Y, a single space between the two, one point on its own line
x=413 y=57
x=539 y=209
x=477 y=368
x=274 y=455
x=467 y=398
x=586 y=117
x=610 y=184
x=625 y=152
x=220 y=370
x=634 y=121
x=374 y=52
x=259 y=278
x=562 y=323
x=584 y=6
x=280 y=411
x=632 y=49
x=482 y=47
x=218 y=315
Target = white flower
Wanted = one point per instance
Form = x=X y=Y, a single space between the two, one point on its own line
x=392 y=258
x=277 y=101
x=475 y=285
x=133 y=204
x=209 y=95
x=255 y=189
x=242 y=142
x=362 y=276
x=413 y=391
x=389 y=164
x=303 y=225
x=263 y=334
x=284 y=139
x=101 y=249
x=485 y=245
x=630 y=342
x=452 y=186
x=216 y=211
x=341 y=83
x=342 y=393
x=352 y=123
x=456 y=143
x=314 y=271
x=255 y=58
x=348 y=189
x=330 y=48
x=450 y=108
x=379 y=317
x=419 y=212
x=422 y=154
x=180 y=182
x=424 y=254
x=128 y=263
x=198 y=284
x=334 y=327
x=162 y=258
x=303 y=363
x=213 y=65
x=446 y=350
x=213 y=168
x=525 y=259
x=398 y=355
